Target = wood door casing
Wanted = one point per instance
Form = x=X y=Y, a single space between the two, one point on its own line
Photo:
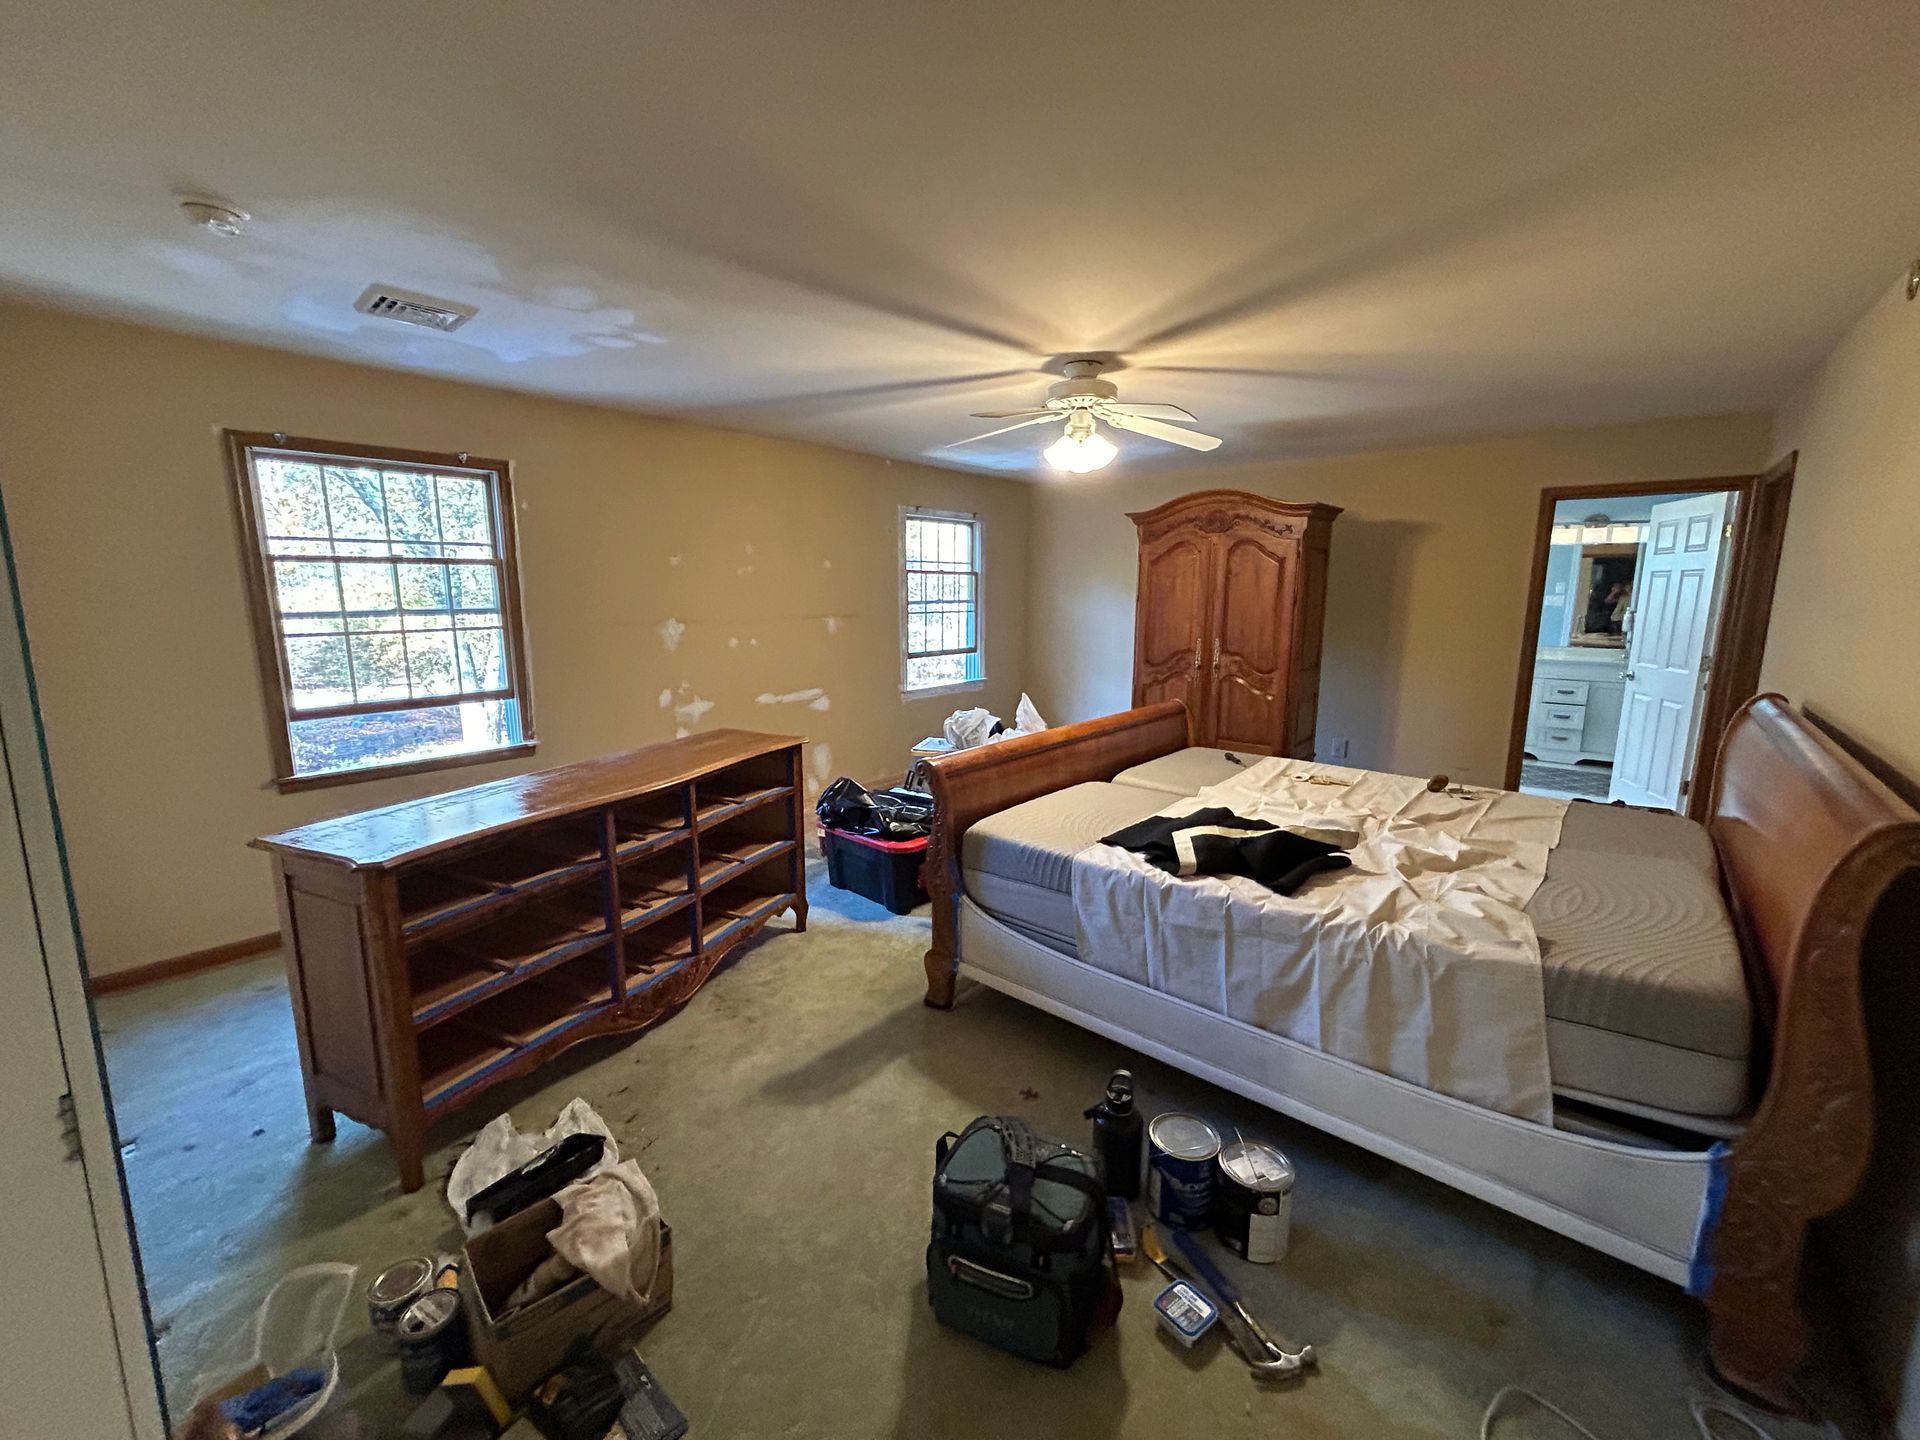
x=1170 y=622
x=1252 y=641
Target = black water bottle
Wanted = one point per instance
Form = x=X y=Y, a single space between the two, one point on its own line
x=1116 y=1136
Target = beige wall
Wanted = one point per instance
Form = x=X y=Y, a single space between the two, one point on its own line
x=117 y=495
x=1842 y=636
x=1842 y=641
x=1428 y=579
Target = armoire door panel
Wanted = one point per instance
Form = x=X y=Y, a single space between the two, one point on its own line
x=1252 y=625
x=1170 y=642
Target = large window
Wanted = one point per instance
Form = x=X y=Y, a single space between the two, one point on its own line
x=939 y=600
x=386 y=607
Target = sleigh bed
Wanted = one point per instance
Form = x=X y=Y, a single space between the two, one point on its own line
x=1712 y=1090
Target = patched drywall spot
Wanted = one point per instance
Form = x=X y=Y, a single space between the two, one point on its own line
x=826 y=564
x=673 y=560
x=754 y=642
x=814 y=698
x=671 y=631
x=666 y=697
x=733 y=642
x=749 y=547
x=820 y=759
x=743 y=570
x=833 y=624
x=688 y=714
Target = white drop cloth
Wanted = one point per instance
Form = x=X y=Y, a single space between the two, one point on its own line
x=1419 y=961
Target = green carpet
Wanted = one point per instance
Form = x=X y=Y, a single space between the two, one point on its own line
x=787 y=1118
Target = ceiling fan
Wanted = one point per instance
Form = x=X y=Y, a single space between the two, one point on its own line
x=1082 y=402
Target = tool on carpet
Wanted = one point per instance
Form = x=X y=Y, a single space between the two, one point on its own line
x=1018 y=1251
x=648 y=1413
x=1190 y=1248
x=1181 y=1150
x=1705 y=1413
x=1124 y=1240
x=1246 y=1343
x=1117 y=1134
x=1185 y=1312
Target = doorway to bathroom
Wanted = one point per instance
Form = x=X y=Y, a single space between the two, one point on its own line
x=1646 y=622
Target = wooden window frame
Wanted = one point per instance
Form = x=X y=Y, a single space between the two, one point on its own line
x=979 y=649
x=264 y=609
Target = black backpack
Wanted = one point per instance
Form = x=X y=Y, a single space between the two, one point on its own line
x=1019 y=1250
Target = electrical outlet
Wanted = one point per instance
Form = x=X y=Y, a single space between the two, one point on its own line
x=1336 y=749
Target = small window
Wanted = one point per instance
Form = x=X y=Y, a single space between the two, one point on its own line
x=386 y=607
x=939 y=600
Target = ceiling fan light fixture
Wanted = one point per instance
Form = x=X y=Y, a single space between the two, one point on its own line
x=1081 y=454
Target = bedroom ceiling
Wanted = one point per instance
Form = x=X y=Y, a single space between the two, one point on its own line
x=1316 y=227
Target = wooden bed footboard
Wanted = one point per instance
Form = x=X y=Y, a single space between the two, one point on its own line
x=1809 y=844
x=973 y=784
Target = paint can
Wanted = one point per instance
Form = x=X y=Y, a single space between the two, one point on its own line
x=1181 y=1150
x=1253 y=1201
x=432 y=1340
x=393 y=1290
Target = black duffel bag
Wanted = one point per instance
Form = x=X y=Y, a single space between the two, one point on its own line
x=1019 y=1250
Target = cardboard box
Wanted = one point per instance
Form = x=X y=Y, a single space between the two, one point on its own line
x=523 y=1346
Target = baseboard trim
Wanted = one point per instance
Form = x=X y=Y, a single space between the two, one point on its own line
x=191 y=963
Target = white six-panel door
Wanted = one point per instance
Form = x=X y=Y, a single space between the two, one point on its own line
x=1673 y=598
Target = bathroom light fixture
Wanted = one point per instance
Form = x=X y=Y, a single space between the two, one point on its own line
x=1082 y=449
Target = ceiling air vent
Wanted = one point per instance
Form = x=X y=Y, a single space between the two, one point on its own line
x=392 y=303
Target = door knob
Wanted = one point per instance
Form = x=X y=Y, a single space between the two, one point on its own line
x=1626 y=675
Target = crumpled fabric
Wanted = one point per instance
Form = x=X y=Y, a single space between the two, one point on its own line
x=1418 y=961
x=966 y=729
x=499 y=1149
x=611 y=1229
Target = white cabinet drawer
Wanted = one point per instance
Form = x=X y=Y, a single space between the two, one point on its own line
x=1555 y=738
x=1557 y=715
x=1563 y=692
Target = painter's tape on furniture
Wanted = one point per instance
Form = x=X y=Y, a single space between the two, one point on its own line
x=1700 y=1271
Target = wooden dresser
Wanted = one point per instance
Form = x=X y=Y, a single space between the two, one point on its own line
x=1231 y=604
x=437 y=947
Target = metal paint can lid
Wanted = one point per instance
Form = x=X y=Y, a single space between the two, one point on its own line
x=397 y=1287
x=1257 y=1166
x=1185 y=1137
x=430 y=1314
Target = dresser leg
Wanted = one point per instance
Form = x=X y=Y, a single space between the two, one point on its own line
x=319 y=1123
x=800 y=917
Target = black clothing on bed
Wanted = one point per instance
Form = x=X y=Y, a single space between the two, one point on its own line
x=1219 y=842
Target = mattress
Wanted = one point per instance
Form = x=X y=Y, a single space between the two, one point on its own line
x=1645 y=996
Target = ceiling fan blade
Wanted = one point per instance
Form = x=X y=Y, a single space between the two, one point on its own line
x=1172 y=434
x=1152 y=411
x=1017 y=425
x=1011 y=414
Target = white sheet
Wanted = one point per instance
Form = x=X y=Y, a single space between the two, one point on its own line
x=1419 y=961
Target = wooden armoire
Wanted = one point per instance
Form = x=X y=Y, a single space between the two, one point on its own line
x=1232 y=598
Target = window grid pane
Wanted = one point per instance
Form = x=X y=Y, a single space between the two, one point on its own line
x=385 y=581
x=940 y=601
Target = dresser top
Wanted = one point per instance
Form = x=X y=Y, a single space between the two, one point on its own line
x=394 y=834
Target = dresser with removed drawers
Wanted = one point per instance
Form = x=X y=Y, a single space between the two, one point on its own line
x=1574 y=713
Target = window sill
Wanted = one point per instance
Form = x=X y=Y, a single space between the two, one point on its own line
x=290 y=784
x=957 y=687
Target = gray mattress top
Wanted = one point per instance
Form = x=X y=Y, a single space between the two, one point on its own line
x=1634 y=935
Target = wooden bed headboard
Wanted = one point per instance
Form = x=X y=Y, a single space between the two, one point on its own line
x=1809 y=843
x=973 y=784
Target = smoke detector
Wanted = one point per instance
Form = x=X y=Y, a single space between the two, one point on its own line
x=214 y=215
x=390 y=302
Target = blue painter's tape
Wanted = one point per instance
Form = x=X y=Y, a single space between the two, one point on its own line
x=1700 y=1271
